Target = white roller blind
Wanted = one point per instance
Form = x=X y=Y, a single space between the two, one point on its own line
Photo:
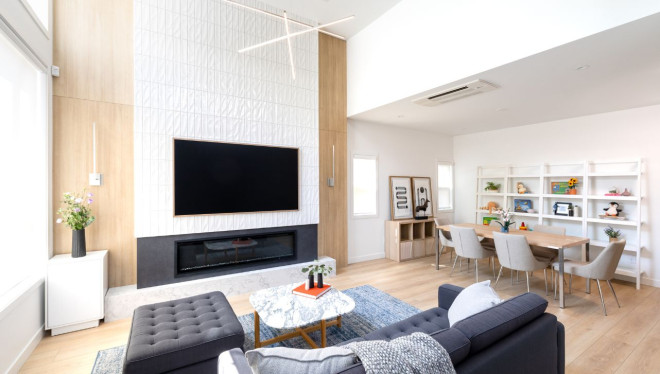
x=365 y=185
x=445 y=186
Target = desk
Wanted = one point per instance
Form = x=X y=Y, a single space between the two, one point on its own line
x=541 y=239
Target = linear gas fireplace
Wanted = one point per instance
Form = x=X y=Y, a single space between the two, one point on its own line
x=205 y=254
x=179 y=258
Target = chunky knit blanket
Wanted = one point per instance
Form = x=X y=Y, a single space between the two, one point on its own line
x=417 y=353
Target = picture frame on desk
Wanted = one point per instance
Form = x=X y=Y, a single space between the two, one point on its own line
x=401 y=201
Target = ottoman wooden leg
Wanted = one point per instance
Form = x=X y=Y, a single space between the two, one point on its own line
x=257 y=342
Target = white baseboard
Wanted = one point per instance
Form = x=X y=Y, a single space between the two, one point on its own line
x=369 y=257
x=27 y=351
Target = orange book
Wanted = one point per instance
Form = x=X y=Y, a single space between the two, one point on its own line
x=312 y=293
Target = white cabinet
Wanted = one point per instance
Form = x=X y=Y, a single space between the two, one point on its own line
x=75 y=291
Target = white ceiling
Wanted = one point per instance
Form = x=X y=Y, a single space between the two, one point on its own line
x=623 y=73
x=324 y=11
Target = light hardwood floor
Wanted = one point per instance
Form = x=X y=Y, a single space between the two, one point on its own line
x=626 y=341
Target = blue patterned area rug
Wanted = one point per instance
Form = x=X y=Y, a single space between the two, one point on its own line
x=373 y=309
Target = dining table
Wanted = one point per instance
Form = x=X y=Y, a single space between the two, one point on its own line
x=540 y=239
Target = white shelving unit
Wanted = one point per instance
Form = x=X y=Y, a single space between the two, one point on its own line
x=595 y=178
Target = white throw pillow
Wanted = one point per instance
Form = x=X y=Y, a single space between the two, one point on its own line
x=472 y=300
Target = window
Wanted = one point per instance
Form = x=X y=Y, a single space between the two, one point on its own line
x=23 y=167
x=39 y=8
x=365 y=186
x=445 y=186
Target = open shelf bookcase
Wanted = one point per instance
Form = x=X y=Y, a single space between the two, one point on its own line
x=595 y=178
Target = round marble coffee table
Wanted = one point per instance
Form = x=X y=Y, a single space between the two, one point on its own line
x=279 y=308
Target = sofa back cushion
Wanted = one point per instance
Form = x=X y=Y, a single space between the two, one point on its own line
x=487 y=327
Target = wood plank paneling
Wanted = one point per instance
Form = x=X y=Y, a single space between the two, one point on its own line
x=93 y=46
x=333 y=201
x=113 y=201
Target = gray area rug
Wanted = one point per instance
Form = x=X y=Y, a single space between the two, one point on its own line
x=373 y=309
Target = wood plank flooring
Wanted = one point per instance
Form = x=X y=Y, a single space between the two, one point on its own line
x=626 y=341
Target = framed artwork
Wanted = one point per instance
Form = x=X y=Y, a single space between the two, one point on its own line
x=520 y=205
x=559 y=187
x=562 y=209
x=423 y=201
x=401 y=202
x=487 y=220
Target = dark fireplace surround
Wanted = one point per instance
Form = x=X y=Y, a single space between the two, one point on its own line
x=178 y=258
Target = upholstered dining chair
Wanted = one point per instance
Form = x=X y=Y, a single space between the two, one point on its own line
x=466 y=245
x=514 y=253
x=602 y=268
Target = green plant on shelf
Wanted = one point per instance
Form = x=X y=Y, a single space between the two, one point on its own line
x=492 y=186
x=612 y=233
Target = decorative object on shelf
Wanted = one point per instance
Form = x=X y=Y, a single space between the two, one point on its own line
x=613 y=192
x=559 y=188
x=505 y=220
x=522 y=226
x=401 y=198
x=492 y=187
x=487 y=220
x=612 y=233
x=521 y=188
x=76 y=214
x=572 y=186
x=490 y=207
x=520 y=205
x=613 y=210
x=530 y=211
x=423 y=201
x=576 y=211
x=625 y=192
x=562 y=209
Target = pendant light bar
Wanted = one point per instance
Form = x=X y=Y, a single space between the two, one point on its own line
x=288 y=42
x=280 y=17
x=315 y=28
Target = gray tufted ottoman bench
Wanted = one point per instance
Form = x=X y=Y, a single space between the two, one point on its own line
x=182 y=336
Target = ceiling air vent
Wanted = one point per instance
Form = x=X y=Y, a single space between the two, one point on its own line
x=464 y=90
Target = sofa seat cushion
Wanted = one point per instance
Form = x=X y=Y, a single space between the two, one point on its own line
x=489 y=326
x=178 y=333
x=283 y=360
x=428 y=322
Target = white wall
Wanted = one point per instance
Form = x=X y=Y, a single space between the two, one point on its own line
x=626 y=134
x=419 y=45
x=400 y=152
x=191 y=82
x=21 y=327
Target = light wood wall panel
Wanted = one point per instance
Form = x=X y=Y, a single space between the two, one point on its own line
x=333 y=213
x=93 y=46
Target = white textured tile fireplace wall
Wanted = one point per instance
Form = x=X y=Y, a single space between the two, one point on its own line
x=191 y=82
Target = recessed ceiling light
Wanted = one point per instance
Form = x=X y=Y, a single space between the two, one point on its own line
x=583 y=67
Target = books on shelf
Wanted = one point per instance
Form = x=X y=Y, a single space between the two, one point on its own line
x=312 y=293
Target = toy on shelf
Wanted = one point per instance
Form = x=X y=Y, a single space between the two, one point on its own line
x=625 y=192
x=521 y=188
x=522 y=226
x=613 y=210
x=490 y=207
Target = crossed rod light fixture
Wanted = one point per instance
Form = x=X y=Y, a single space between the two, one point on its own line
x=289 y=35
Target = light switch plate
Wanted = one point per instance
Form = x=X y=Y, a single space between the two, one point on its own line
x=95 y=179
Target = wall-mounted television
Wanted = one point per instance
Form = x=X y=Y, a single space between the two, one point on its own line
x=215 y=178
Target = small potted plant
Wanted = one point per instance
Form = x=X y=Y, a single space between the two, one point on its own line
x=572 y=186
x=612 y=233
x=319 y=270
x=77 y=214
x=492 y=187
x=505 y=220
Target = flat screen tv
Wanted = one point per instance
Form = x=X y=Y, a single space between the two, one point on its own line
x=215 y=178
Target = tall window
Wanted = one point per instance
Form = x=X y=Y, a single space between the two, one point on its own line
x=445 y=186
x=365 y=186
x=23 y=167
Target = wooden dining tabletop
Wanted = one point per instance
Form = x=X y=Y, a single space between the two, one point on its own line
x=540 y=239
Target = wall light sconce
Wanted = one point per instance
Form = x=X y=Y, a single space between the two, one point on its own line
x=95 y=179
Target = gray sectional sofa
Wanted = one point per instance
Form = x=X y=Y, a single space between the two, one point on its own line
x=516 y=336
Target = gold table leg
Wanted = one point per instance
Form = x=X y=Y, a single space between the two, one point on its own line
x=302 y=332
x=257 y=342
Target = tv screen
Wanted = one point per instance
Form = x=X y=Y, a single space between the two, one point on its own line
x=212 y=177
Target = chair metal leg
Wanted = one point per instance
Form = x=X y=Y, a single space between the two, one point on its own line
x=555 y=278
x=493 y=264
x=498 y=277
x=570 y=283
x=545 y=280
x=609 y=283
x=602 y=301
x=517 y=276
x=452 y=268
x=511 y=270
x=527 y=274
x=476 y=268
